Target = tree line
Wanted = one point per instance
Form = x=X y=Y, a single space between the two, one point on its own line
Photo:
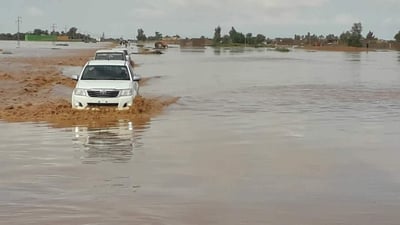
x=141 y=36
x=352 y=37
x=235 y=37
x=72 y=34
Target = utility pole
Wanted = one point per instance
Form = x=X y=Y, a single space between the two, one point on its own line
x=53 y=26
x=19 y=20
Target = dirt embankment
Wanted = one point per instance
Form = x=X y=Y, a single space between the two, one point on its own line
x=338 y=48
x=36 y=91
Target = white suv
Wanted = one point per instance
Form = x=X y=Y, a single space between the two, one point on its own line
x=113 y=54
x=105 y=83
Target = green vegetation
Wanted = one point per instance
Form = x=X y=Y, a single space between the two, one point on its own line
x=353 y=38
x=397 y=36
x=282 y=49
x=141 y=36
x=72 y=35
x=370 y=36
x=236 y=38
x=9 y=36
x=42 y=37
x=217 y=35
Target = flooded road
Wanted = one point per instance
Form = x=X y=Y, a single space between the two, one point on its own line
x=257 y=137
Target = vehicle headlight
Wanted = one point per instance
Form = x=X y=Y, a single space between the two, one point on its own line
x=79 y=91
x=126 y=92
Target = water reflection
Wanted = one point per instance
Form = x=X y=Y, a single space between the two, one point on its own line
x=398 y=56
x=237 y=50
x=116 y=144
x=353 y=56
x=193 y=49
x=217 y=51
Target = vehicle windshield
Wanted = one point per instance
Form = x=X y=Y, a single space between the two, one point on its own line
x=105 y=72
x=109 y=56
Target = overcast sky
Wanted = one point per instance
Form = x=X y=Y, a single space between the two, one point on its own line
x=194 y=18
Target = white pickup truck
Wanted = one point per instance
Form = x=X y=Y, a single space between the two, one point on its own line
x=109 y=83
x=114 y=54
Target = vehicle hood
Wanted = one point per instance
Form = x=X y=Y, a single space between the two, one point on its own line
x=104 y=84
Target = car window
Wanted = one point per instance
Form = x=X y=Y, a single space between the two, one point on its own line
x=105 y=72
x=110 y=56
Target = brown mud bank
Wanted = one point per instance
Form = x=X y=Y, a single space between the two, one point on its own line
x=37 y=91
x=60 y=114
x=337 y=48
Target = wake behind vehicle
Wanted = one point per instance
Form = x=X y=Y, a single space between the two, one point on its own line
x=110 y=83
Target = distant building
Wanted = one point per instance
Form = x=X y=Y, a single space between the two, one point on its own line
x=171 y=40
x=193 y=43
x=62 y=38
x=284 y=41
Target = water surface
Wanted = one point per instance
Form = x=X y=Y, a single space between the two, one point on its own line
x=257 y=137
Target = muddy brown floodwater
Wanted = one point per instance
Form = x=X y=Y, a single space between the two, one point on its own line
x=29 y=93
x=257 y=137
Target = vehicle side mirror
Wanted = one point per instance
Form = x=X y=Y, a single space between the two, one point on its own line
x=136 y=77
x=74 y=77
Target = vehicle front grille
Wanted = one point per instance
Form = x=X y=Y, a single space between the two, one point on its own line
x=102 y=105
x=103 y=93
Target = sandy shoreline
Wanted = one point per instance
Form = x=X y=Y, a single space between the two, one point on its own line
x=33 y=89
